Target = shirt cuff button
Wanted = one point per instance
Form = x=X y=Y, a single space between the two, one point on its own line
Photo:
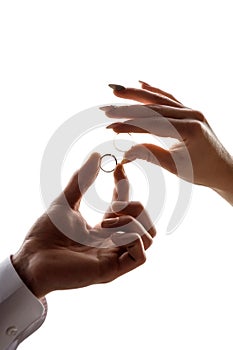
x=11 y=331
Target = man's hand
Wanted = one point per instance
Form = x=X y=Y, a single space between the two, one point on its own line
x=62 y=251
x=198 y=157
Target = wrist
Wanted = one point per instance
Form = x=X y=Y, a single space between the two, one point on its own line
x=226 y=195
x=225 y=188
x=25 y=268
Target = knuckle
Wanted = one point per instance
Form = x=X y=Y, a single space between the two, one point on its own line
x=195 y=127
x=148 y=243
x=142 y=259
x=138 y=206
x=152 y=232
x=198 y=115
x=135 y=239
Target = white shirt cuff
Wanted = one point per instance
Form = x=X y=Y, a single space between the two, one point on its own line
x=21 y=313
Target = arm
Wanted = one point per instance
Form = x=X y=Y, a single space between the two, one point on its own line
x=198 y=157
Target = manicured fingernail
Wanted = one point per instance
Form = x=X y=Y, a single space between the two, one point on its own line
x=105 y=108
x=120 y=172
x=143 y=82
x=125 y=161
x=112 y=126
x=119 y=167
x=110 y=222
x=116 y=87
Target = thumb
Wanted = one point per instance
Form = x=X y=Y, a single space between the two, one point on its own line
x=82 y=180
x=153 y=154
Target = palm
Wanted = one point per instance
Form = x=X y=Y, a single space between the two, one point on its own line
x=62 y=251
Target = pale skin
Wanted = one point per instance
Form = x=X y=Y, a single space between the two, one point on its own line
x=48 y=260
x=211 y=164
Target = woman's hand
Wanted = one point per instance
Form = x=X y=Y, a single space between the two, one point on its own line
x=62 y=251
x=198 y=157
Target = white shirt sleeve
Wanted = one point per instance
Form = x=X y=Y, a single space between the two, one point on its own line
x=21 y=313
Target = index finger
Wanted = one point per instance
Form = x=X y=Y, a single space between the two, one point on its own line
x=145 y=96
x=121 y=192
x=81 y=181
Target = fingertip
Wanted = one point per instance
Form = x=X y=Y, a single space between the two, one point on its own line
x=119 y=171
x=113 y=126
x=125 y=161
x=94 y=158
x=143 y=83
x=120 y=93
x=118 y=90
x=96 y=155
x=118 y=206
x=105 y=108
x=116 y=87
x=130 y=155
x=152 y=231
x=139 y=151
x=89 y=171
x=82 y=179
x=93 y=163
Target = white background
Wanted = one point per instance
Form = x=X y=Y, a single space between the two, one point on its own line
x=56 y=59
